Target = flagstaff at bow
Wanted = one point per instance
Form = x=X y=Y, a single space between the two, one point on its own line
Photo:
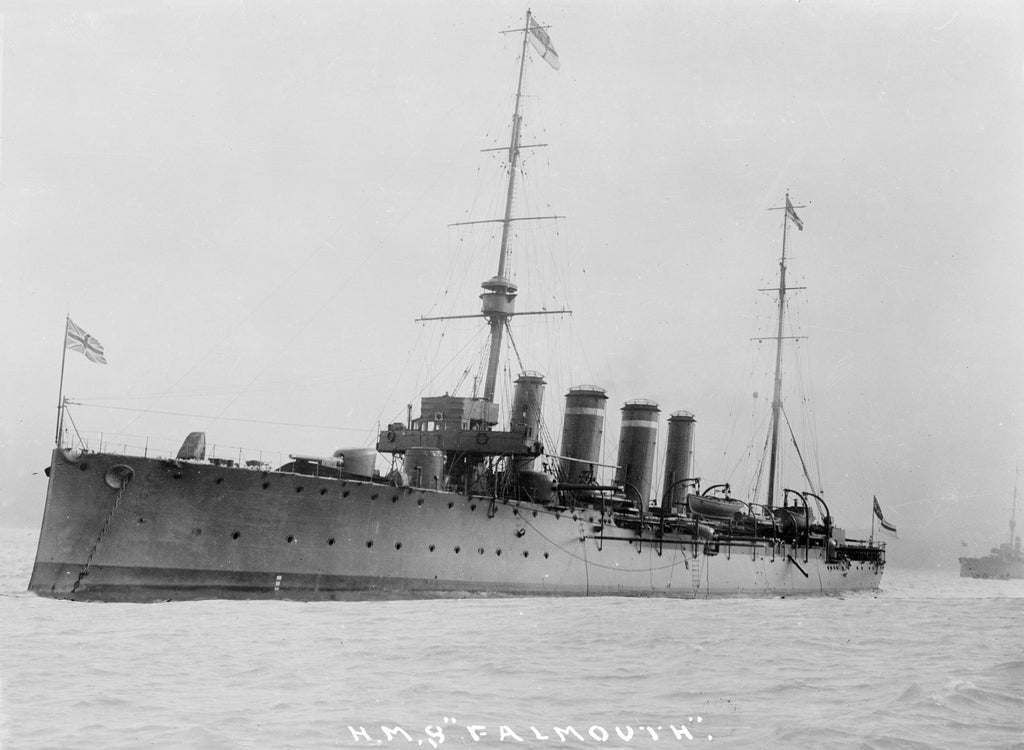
x=77 y=340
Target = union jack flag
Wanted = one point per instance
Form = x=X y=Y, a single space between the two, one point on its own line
x=78 y=340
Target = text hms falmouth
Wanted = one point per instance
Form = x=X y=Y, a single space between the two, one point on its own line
x=472 y=504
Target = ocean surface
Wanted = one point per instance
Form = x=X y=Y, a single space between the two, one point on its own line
x=930 y=661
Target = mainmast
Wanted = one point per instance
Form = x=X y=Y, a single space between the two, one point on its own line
x=498 y=299
x=790 y=215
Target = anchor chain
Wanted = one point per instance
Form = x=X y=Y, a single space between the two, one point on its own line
x=95 y=545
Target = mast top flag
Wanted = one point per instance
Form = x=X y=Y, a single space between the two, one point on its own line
x=791 y=213
x=542 y=43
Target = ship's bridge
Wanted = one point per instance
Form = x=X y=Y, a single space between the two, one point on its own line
x=458 y=424
x=455 y=413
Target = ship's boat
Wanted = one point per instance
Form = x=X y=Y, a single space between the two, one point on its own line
x=470 y=501
x=710 y=505
x=1003 y=562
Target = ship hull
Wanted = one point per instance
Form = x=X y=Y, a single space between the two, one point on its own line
x=126 y=528
x=991 y=567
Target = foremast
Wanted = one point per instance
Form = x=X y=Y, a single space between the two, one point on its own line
x=462 y=428
x=498 y=299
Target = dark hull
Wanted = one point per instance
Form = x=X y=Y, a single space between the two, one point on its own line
x=991 y=567
x=192 y=530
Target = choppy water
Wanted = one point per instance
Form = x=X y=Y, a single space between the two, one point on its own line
x=932 y=661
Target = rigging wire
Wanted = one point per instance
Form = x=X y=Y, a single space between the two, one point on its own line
x=219 y=418
x=267 y=386
x=796 y=447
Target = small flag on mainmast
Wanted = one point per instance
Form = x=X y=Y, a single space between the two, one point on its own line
x=881 y=519
x=542 y=43
x=791 y=213
x=78 y=340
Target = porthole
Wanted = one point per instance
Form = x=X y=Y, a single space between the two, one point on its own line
x=330 y=542
x=451 y=504
x=83 y=467
x=346 y=493
x=291 y=539
x=458 y=549
x=545 y=555
x=142 y=520
x=526 y=553
x=472 y=506
x=266 y=485
x=235 y=535
x=197 y=531
x=219 y=480
x=480 y=550
x=420 y=501
x=432 y=547
x=369 y=544
x=299 y=488
x=375 y=495
x=323 y=490
x=497 y=552
x=515 y=511
x=394 y=499
x=534 y=514
x=398 y=545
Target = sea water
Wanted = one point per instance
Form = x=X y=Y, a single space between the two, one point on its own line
x=929 y=661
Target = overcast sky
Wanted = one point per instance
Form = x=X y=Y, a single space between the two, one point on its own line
x=248 y=205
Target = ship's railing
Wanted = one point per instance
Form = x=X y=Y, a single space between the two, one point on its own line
x=148 y=446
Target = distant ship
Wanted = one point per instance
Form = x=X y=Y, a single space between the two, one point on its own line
x=473 y=504
x=1004 y=561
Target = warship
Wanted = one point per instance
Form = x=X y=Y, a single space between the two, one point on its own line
x=1005 y=561
x=470 y=502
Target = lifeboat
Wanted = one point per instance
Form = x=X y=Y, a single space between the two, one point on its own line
x=715 y=505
